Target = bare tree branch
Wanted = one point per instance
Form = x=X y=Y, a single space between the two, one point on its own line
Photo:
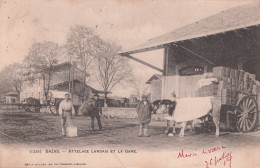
x=42 y=58
x=110 y=68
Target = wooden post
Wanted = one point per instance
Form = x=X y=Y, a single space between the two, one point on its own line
x=69 y=75
x=258 y=104
x=72 y=89
x=142 y=62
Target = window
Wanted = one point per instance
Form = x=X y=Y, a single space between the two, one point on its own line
x=191 y=70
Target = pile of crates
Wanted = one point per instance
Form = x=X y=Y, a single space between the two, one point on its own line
x=208 y=90
x=231 y=81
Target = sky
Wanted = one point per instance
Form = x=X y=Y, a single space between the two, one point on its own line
x=128 y=22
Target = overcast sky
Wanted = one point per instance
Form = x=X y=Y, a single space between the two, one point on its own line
x=129 y=23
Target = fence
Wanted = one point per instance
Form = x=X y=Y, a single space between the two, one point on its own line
x=10 y=106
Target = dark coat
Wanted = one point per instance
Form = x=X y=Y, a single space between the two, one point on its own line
x=91 y=107
x=144 y=112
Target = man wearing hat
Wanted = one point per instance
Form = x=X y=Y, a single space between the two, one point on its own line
x=95 y=111
x=66 y=112
x=144 y=111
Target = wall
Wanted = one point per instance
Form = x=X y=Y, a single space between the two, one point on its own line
x=156 y=86
x=188 y=85
x=34 y=90
x=127 y=113
x=177 y=58
x=11 y=100
x=170 y=84
x=258 y=103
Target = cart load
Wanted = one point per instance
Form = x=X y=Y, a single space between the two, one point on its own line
x=237 y=89
x=230 y=83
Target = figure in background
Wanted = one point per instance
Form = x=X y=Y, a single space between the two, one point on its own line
x=170 y=129
x=144 y=110
x=96 y=111
x=66 y=112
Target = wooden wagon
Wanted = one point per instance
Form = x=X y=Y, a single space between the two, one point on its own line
x=33 y=105
x=238 y=91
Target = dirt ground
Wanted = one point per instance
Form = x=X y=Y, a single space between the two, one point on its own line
x=44 y=130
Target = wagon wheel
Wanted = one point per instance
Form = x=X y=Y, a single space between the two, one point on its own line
x=34 y=108
x=31 y=108
x=246 y=114
x=53 y=109
x=37 y=108
x=25 y=107
x=34 y=105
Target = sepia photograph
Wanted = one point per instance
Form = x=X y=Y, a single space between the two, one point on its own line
x=129 y=83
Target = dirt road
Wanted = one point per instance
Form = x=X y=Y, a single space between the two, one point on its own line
x=44 y=130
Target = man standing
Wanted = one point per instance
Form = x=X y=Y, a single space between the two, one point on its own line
x=95 y=112
x=66 y=112
x=144 y=111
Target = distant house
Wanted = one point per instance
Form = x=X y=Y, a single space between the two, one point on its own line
x=2 y=100
x=63 y=72
x=77 y=89
x=65 y=78
x=156 y=84
x=11 y=98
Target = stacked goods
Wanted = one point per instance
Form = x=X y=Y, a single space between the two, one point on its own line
x=225 y=92
x=208 y=90
x=227 y=96
x=219 y=72
x=256 y=88
x=238 y=80
x=231 y=81
x=237 y=73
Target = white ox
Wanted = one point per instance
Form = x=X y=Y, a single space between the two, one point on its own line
x=190 y=109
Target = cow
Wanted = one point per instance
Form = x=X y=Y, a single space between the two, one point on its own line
x=181 y=111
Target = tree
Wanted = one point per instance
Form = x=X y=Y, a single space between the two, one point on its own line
x=110 y=68
x=82 y=44
x=41 y=59
x=140 y=88
x=12 y=77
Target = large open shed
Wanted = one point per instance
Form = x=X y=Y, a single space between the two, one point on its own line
x=230 y=39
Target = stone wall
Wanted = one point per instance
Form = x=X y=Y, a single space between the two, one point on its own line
x=126 y=113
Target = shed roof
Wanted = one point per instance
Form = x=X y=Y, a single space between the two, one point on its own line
x=154 y=77
x=11 y=94
x=66 y=83
x=231 y=19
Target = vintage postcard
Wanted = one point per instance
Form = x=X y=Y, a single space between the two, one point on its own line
x=129 y=83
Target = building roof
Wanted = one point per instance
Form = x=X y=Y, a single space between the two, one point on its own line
x=231 y=19
x=66 y=64
x=59 y=67
x=154 y=77
x=11 y=94
x=66 y=83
